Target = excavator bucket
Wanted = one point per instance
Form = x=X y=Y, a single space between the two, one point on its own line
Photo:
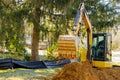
x=67 y=46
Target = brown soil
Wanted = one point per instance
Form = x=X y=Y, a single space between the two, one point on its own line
x=84 y=71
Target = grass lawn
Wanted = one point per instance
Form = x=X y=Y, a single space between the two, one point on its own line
x=28 y=74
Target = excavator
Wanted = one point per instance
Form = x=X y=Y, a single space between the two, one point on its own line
x=98 y=51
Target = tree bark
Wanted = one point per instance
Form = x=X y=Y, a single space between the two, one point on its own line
x=35 y=41
x=35 y=36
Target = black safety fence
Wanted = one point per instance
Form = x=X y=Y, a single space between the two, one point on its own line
x=13 y=63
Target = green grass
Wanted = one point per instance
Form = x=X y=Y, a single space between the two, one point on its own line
x=28 y=74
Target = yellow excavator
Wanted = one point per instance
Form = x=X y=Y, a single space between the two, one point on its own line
x=98 y=50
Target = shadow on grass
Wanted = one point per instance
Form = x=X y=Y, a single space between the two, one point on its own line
x=28 y=74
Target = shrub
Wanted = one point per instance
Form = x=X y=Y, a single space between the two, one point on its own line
x=51 y=52
x=27 y=57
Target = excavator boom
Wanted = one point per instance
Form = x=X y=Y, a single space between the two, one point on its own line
x=82 y=16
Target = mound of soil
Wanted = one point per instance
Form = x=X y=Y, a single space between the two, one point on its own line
x=107 y=73
x=84 y=71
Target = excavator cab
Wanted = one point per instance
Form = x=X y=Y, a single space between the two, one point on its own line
x=101 y=49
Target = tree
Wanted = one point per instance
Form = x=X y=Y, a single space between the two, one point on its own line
x=46 y=15
x=11 y=27
x=102 y=14
x=61 y=12
x=41 y=9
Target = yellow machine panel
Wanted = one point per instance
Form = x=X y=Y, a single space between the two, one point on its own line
x=101 y=64
x=82 y=53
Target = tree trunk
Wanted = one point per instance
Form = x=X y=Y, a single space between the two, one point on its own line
x=35 y=41
x=35 y=36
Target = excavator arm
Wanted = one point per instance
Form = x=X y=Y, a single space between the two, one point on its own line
x=82 y=16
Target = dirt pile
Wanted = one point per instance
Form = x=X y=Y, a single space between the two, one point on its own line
x=108 y=73
x=76 y=71
x=84 y=71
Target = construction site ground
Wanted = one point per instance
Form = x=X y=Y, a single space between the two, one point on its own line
x=84 y=71
x=72 y=71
